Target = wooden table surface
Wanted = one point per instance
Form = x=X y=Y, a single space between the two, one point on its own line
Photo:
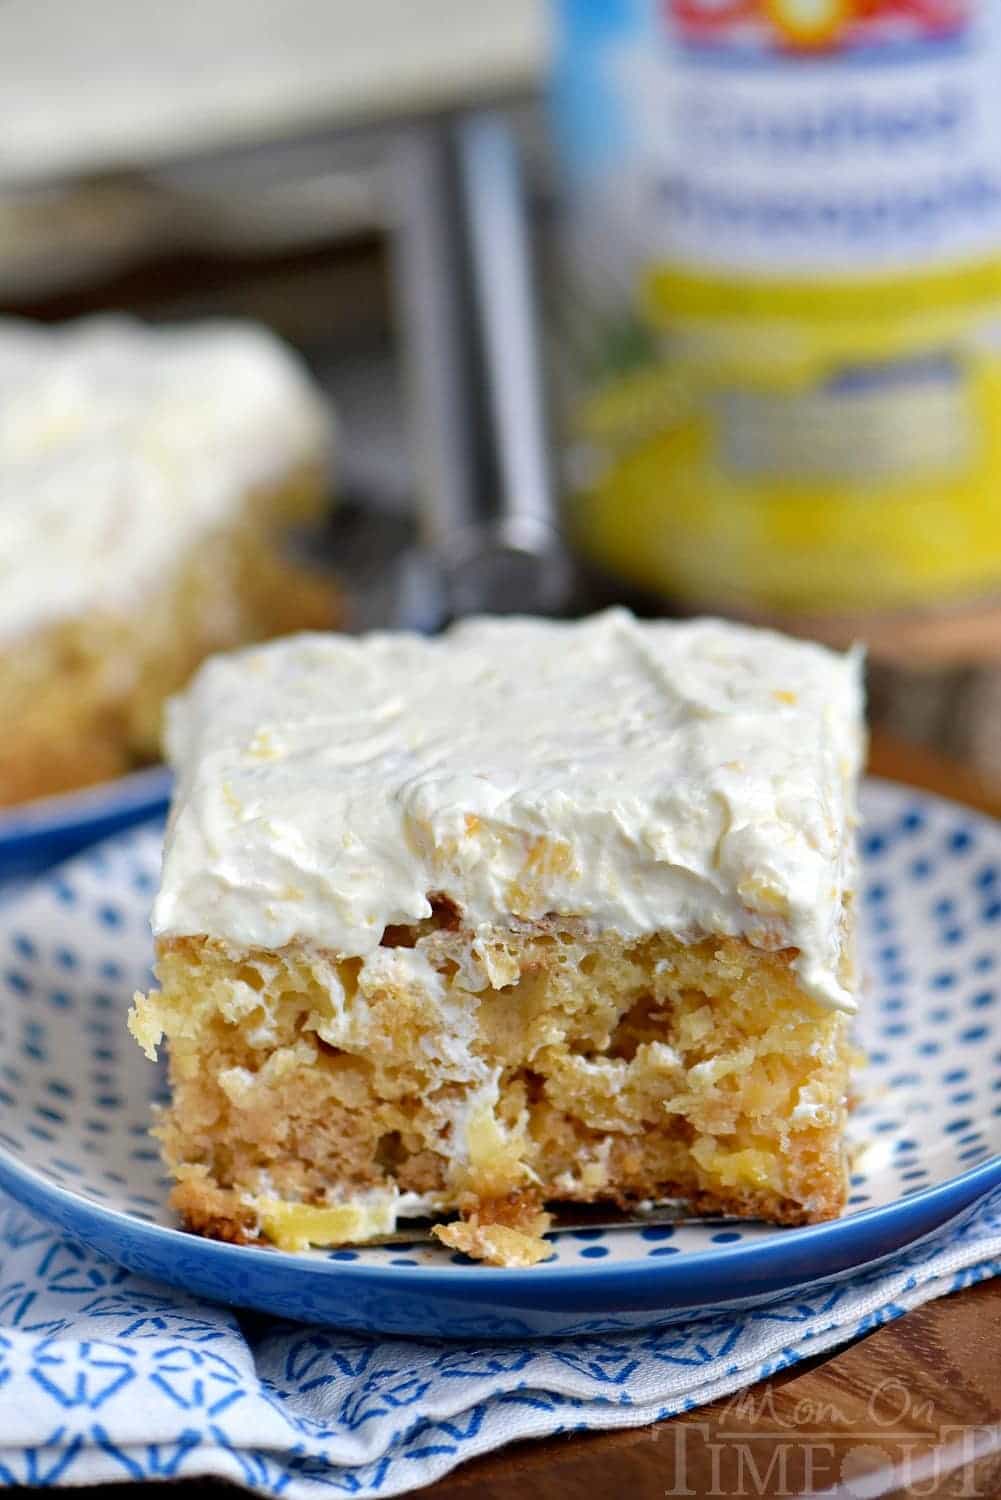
x=911 y=1409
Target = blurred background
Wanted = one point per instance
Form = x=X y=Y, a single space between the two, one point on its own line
x=688 y=304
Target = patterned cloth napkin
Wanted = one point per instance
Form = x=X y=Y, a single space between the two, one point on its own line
x=107 y=1376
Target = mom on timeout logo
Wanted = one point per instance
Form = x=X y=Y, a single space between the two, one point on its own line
x=815 y=26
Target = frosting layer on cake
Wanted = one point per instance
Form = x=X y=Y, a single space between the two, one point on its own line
x=121 y=444
x=694 y=778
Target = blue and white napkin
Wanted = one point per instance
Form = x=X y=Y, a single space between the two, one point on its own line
x=106 y=1376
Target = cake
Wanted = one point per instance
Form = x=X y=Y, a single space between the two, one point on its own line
x=145 y=474
x=529 y=913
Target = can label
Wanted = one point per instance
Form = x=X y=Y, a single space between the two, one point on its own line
x=784 y=295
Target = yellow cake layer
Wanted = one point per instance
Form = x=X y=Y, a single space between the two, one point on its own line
x=490 y=1075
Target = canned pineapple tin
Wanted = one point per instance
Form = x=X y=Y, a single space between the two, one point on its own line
x=783 y=316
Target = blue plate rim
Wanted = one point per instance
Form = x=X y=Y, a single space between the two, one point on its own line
x=44 y=816
x=951 y=1194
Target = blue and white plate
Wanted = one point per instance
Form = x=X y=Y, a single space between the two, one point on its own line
x=39 y=834
x=75 y=1095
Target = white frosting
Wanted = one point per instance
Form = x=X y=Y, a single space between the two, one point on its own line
x=121 y=444
x=694 y=778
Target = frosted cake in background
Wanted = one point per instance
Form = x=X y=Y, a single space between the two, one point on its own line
x=145 y=476
x=529 y=913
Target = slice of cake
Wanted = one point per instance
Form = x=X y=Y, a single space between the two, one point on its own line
x=529 y=913
x=145 y=475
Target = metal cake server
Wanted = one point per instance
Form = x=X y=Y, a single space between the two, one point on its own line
x=671 y=1212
